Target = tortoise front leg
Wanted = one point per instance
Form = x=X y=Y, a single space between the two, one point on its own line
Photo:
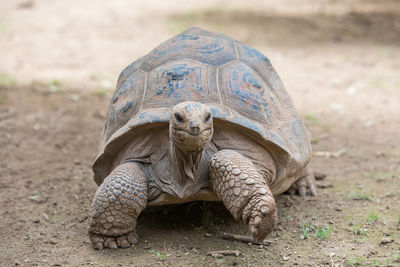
x=116 y=206
x=244 y=192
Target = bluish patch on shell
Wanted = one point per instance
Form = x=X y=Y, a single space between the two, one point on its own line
x=149 y=117
x=251 y=53
x=187 y=37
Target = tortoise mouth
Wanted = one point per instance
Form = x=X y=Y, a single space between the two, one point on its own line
x=190 y=133
x=189 y=141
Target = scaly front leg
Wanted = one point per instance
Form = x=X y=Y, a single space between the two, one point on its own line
x=116 y=206
x=244 y=192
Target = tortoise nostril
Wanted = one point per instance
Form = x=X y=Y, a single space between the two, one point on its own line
x=195 y=129
x=194 y=126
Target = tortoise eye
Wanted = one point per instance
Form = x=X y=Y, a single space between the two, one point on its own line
x=179 y=118
x=208 y=117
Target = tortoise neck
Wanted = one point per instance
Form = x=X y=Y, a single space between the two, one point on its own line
x=188 y=161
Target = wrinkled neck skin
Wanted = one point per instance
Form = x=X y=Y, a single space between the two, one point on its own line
x=188 y=161
x=190 y=130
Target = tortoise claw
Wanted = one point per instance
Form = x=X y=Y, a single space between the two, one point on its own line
x=302 y=191
x=113 y=242
x=122 y=242
x=313 y=190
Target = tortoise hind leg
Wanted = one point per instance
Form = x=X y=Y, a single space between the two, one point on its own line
x=116 y=206
x=305 y=181
x=244 y=192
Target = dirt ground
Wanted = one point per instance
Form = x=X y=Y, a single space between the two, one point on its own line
x=340 y=62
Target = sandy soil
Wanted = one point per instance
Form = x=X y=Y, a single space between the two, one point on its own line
x=340 y=61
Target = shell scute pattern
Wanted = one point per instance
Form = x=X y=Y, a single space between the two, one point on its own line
x=129 y=70
x=125 y=102
x=245 y=91
x=237 y=81
x=178 y=81
x=213 y=49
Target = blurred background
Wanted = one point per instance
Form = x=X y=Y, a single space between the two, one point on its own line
x=335 y=50
x=339 y=60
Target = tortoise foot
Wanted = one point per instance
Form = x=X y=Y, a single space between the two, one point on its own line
x=113 y=242
x=261 y=215
x=116 y=206
x=306 y=181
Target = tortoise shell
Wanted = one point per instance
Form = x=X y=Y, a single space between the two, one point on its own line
x=236 y=81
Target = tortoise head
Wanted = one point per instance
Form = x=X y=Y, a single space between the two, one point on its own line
x=190 y=125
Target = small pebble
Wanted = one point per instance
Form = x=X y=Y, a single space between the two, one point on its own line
x=386 y=240
x=285 y=258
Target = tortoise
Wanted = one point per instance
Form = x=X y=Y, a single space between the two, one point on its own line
x=201 y=117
